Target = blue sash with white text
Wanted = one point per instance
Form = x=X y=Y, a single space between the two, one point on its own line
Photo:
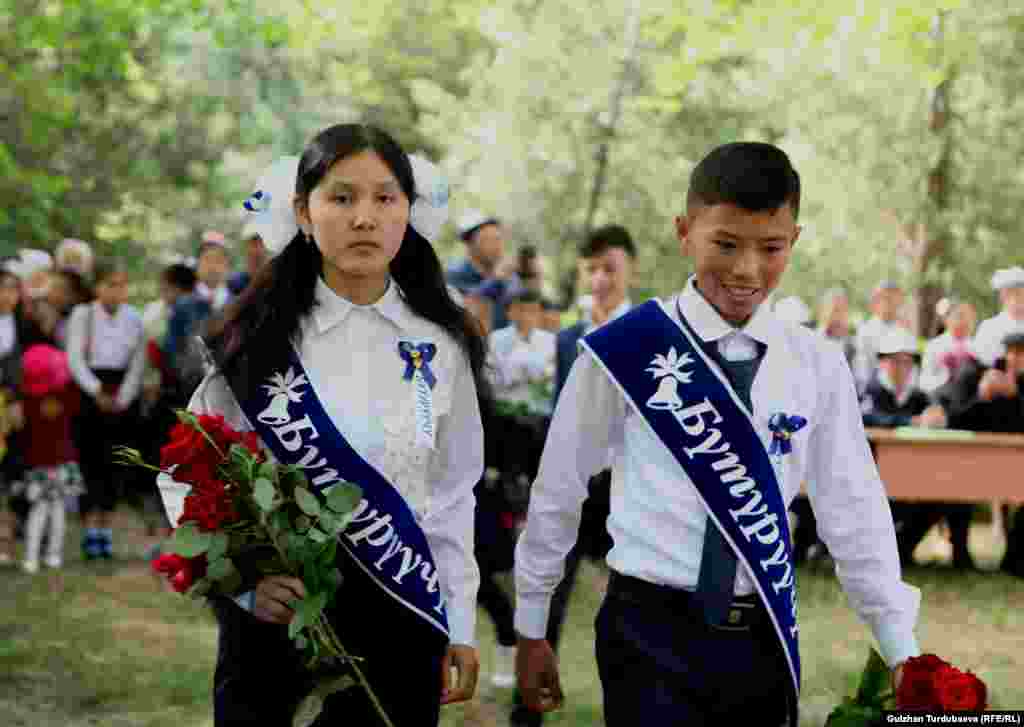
x=691 y=408
x=383 y=538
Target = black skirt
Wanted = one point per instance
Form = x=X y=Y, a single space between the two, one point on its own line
x=260 y=678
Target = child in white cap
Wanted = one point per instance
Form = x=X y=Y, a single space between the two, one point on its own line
x=988 y=341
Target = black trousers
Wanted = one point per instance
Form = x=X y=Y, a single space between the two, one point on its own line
x=914 y=520
x=1013 y=561
x=96 y=435
x=260 y=680
x=660 y=664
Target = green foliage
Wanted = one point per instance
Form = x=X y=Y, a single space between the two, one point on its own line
x=343 y=497
x=139 y=124
x=874 y=694
x=188 y=542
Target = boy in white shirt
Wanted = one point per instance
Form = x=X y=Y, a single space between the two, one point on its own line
x=699 y=624
x=522 y=353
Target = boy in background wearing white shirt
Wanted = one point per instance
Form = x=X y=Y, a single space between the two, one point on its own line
x=886 y=302
x=522 y=353
x=670 y=650
x=521 y=360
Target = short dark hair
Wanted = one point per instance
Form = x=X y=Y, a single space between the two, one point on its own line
x=106 y=267
x=749 y=174
x=526 y=296
x=605 y=238
x=181 y=276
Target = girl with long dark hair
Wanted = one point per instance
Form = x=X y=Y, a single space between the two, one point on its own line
x=354 y=299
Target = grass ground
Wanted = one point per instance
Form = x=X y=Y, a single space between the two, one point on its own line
x=103 y=644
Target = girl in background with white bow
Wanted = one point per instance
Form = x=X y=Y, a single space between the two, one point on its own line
x=356 y=287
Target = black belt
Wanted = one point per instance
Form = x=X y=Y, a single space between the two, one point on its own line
x=745 y=612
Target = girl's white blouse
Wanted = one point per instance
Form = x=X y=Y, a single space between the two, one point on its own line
x=351 y=356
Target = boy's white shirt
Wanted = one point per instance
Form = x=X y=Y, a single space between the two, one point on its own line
x=657 y=521
x=988 y=339
x=866 y=342
x=516 y=362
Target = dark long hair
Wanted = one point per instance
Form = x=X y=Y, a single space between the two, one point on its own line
x=246 y=342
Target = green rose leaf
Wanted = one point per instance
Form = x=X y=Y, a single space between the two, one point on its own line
x=279 y=522
x=188 y=542
x=308 y=711
x=263 y=493
x=333 y=578
x=298 y=621
x=874 y=681
x=307 y=501
x=317 y=535
x=333 y=524
x=292 y=478
x=268 y=471
x=331 y=684
x=220 y=569
x=303 y=523
x=314 y=606
x=200 y=587
x=231 y=584
x=329 y=553
x=853 y=715
x=218 y=546
x=344 y=497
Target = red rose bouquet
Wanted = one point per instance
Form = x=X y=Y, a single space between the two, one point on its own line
x=928 y=684
x=244 y=513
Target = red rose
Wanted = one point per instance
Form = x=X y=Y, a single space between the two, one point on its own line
x=209 y=505
x=182 y=572
x=169 y=564
x=186 y=445
x=196 y=473
x=251 y=441
x=959 y=691
x=220 y=432
x=917 y=686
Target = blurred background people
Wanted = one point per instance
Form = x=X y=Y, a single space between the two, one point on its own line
x=946 y=354
x=886 y=303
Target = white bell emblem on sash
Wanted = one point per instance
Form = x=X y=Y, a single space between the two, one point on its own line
x=669 y=368
x=667 y=396
x=283 y=390
x=276 y=413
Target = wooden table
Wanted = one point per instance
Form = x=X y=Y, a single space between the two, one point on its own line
x=950 y=466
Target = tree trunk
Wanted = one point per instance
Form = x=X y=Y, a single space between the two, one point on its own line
x=934 y=238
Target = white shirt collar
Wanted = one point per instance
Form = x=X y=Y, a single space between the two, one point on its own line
x=332 y=309
x=102 y=311
x=908 y=387
x=709 y=324
x=623 y=308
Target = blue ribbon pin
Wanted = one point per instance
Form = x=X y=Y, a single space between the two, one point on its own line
x=783 y=427
x=258 y=201
x=418 y=357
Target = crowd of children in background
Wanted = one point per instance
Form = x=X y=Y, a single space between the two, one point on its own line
x=82 y=371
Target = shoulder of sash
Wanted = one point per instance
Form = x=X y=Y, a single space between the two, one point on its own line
x=625 y=324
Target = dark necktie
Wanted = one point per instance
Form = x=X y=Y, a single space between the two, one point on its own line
x=717 y=560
